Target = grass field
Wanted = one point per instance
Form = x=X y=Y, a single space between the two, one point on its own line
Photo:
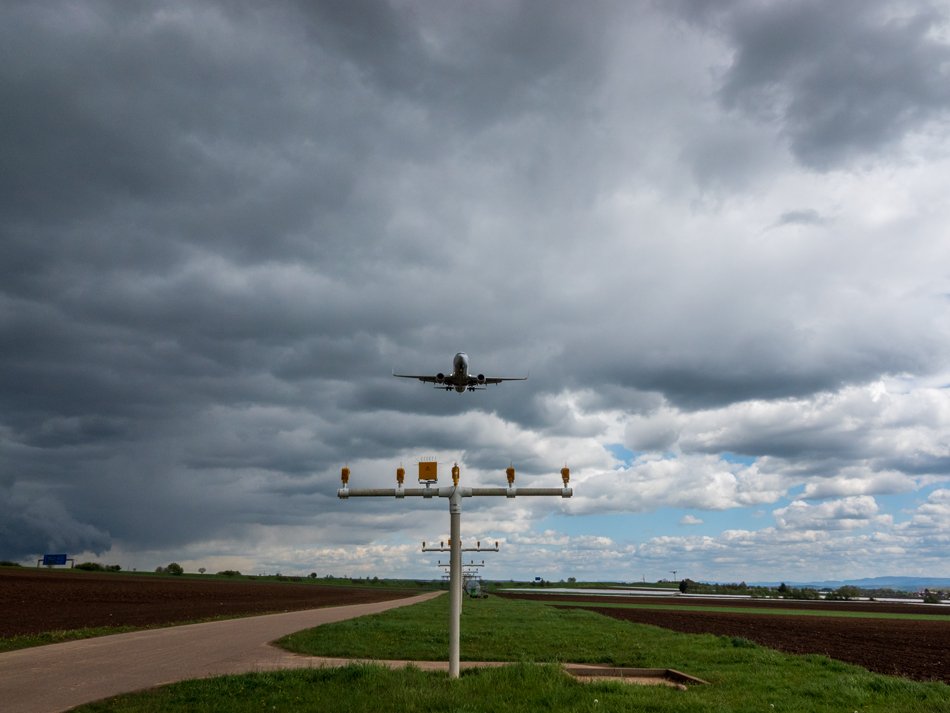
x=742 y=676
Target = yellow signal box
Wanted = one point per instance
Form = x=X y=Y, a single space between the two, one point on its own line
x=428 y=471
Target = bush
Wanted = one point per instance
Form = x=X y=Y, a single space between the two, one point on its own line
x=90 y=567
x=175 y=569
x=96 y=567
x=229 y=573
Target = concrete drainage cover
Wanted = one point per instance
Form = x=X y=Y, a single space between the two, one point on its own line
x=635 y=676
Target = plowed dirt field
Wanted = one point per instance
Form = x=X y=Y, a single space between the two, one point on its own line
x=901 y=647
x=33 y=601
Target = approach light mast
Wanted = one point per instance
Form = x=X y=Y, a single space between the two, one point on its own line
x=428 y=477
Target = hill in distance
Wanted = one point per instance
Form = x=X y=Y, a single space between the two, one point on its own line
x=902 y=584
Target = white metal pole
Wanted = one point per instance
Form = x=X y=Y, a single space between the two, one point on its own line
x=455 y=615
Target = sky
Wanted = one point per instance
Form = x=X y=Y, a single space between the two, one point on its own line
x=713 y=234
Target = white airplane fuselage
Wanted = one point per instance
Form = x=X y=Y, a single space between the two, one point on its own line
x=460 y=365
x=459 y=379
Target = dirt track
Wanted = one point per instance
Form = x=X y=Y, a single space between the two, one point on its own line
x=37 y=600
x=913 y=649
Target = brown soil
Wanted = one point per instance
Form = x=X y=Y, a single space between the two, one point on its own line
x=901 y=647
x=33 y=601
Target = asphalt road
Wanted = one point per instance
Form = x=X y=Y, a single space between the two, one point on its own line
x=57 y=677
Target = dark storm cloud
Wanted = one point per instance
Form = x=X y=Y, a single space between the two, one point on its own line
x=222 y=225
x=467 y=69
x=740 y=341
x=37 y=523
x=136 y=120
x=151 y=155
x=842 y=81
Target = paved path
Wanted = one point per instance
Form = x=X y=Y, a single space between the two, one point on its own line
x=57 y=677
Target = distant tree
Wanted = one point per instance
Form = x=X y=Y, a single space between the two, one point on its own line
x=229 y=573
x=313 y=575
x=931 y=597
x=201 y=570
x=159 y=570
x=782 y=588
x=844 y=593
x=685 y=585
x=98 y=567
x=175 y=569
x=572 y=580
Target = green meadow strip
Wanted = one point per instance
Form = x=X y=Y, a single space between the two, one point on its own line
x=25 y=641
x=754 y=610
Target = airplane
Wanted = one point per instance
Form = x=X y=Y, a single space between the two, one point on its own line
x=460 y=380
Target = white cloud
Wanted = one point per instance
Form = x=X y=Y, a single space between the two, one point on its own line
x=934 y=514
x=858 y=481
x=845 y=514
x=651 y=482
x=814 y=554
x=862 y=439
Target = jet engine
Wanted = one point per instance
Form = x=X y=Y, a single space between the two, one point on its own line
x=440 y=377
x=481 y=378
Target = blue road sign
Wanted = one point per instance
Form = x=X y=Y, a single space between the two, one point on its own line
x=54 y=559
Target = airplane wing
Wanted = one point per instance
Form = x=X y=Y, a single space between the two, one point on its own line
x=494 y=379
x=440 y=379
x=420 y=377
x=448 y=381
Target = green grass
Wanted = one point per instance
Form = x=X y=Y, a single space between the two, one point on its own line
x=12 y=643
x=493 y=629
x=743 y=677
x=765 y=611
x=516 y=689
